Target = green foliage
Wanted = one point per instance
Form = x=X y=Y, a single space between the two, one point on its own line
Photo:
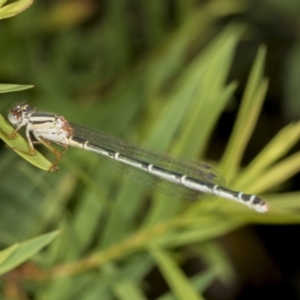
x=7 y=88
x=13 y=9
x=20 y=145
x=111 y=234
x=19 y=253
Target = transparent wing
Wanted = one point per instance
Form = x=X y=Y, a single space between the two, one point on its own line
x=197 y=170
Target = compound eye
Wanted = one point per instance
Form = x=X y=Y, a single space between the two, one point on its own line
x=13 y=118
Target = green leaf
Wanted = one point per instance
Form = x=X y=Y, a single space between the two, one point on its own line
x=275 y=149
x=282 y=171
x=208 y=75
x=8 y=88
x=19 y=253
x=202 y=281
x=15 y=8
x=128 y=290
x=6 y=253
x=176 y=279
x=247 y=117
x=19 y=143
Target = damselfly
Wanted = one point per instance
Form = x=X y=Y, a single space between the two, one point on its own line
x=178 y=177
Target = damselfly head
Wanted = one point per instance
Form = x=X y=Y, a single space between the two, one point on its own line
x=19 y=114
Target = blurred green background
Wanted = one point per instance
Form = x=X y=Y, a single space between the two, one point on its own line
x=211 y=80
